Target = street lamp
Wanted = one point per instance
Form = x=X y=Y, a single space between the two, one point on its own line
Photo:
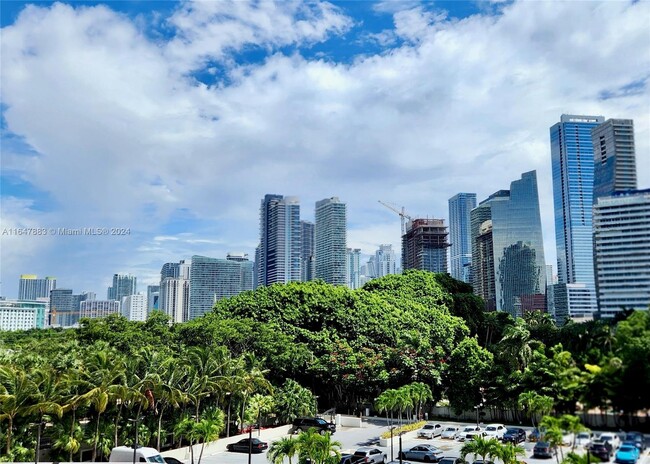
x=250 y=443
x=135 y=435
x=481 y=404
x=400 y=448
x=392 y=427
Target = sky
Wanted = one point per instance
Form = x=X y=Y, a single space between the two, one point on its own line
x=174 y=119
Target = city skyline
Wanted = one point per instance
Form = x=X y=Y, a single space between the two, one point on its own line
x=177 y=143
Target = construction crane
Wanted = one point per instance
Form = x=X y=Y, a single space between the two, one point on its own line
x=402 y=214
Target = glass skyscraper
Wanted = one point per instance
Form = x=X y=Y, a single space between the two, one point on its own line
x=460 y=236
x=614 y=157
x=508 y=226
x=307 y=251
x=572 y=157
x=123 y=285
x=330 y=241
x=424 y=245
x=212 y=279
x=31 y=287
x=279 y=252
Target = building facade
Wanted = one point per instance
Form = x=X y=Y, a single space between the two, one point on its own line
x=572 y=159
x=123 y=285
x=30 y=287
x=353 y=266
x=98 y=308
x=508 y=249
x=330 y=241
x=614 y=157
x=307 y=251
x=134 y=307
x=385 y=261
x=153 y=298
x=622 y=251
x=460 y=235
x=212 y=279
x=424 y=245
x=23 y=314
x=279 y=252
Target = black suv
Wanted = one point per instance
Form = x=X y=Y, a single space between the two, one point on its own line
x=305 y=423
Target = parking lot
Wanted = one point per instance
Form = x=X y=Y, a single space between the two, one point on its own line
x=353 y=438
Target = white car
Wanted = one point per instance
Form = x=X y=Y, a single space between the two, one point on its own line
x=430 y=431
x=612 y=438
x=450 y=432
x=584 y=438
x=495 y=431
x=469 y=433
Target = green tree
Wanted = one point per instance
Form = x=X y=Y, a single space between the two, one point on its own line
x=575 y=458
x=479 y=446
x=318 y=448
x=292 y=400
x=285 y=447
x=208 y=429
x=509 y=452
x=16 y=390
x=535 y=404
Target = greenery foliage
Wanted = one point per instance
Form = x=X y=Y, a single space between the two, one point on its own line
x=399 y=343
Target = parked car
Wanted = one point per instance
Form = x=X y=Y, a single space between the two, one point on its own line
x=426 y=453
x=370 y=455
x=584 y=438
x=601 y=450
x=612 y=438
x=495 y=431
x=514 y=435
x=450 y=432
x=349 y=459
x=305 y=423
x=469 y=432
x=637 y=437
x=242 y=446
x=477 y=432
x=542 y=449
x=535 y=435
x=430 y=431
x=171 y=460
x=636 y=444
x=627 y=454
x=452 y=460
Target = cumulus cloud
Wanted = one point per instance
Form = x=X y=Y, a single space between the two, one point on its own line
x=123 y=133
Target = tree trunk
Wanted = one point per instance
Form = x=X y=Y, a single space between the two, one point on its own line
x=117 y=420
x=201 y=453
x=38 y=436
x=162 y=408
x=74 y=419
x=96 y=437
x=9 y=428
x=228 y=423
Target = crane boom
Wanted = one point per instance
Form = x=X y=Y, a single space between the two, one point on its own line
x=402 y=214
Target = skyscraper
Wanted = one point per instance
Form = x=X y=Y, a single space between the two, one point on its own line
x=97 y=308
x=134 y=307
x=153 y=298
x=307 y=251
x=508 y=249
x=279 y=252
x=30 y=287
x=572 y=156
x=123 y=285
x=424 y=245
x=174 y=292
x=212 y=279
x=614 y=157
x=330 y=242
x=353 y=266
x=385 y=262
x=460 y=206
x=622 y=251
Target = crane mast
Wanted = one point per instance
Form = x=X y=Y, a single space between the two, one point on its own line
x=402 y=214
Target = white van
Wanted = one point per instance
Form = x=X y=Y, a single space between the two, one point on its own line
x=142 y=454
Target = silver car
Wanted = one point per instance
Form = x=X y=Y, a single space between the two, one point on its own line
x=426 y=453
x=450 y=432
x=370 y=455
x=430 y=431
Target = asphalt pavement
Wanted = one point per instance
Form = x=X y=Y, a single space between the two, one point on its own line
x=352 y=438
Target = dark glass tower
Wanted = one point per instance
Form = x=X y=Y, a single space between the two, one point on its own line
x=460 y=236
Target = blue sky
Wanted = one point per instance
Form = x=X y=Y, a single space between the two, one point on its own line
x=173 y=119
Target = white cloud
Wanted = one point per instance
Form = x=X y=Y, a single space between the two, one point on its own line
x=125 y=138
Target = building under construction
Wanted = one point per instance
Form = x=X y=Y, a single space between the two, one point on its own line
x=424 y=245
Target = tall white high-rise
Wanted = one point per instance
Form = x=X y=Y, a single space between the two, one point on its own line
x=174 y=299
x=353 y=266
x=330 y=241
x=278 y=255
x=134 y=307
x=385 y=261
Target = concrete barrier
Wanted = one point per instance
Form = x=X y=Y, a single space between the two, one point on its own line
x=349 y=421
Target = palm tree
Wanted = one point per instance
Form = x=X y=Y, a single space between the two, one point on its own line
x=420 y=392
x=168 y=392
x=16 y=390
x=553 y=434
x=286 y=447
x=386 y=402
x=479 y=446
x=103 y=374
x=575 y=458
x=186 y=428
x=403 y=401
x=509 y=452
x=535 y=404
x=209 y=428
x=517 y=344
x=572 y=424
x=318 y=448
x=47 y=394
